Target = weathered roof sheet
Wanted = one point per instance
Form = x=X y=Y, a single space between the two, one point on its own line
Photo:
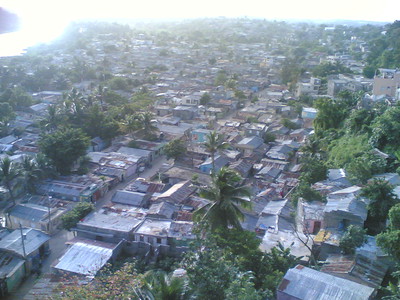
x=162 y=209
x=8 y=264
x=129 y=198
x=84 y=259
x=31 y=212
x=134 y=151
x=253 y=141
x=392 y=178
x=178 y=192
x=356 y=268
x=184 y=174
x=123 y=222
x=308 y=284
x=32 y=241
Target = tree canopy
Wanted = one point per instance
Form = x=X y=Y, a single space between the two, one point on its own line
x=227 y=196
x=64 y=147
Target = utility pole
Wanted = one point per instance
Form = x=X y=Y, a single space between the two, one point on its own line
x=48 y=210
x=22 y=239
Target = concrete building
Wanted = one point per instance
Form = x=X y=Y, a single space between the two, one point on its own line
x=387 y=82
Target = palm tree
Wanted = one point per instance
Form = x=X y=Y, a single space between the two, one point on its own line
x=227 y=196
x=129 y=124
x=76 y=102
x=101 y=91
x=146 y=120
x=161 y=286
x=214 y=143
x=9 y=172
x=53 y=119
x=45 y=166
x=31 y=173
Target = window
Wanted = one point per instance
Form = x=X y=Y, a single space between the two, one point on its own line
x=141 y=238
x=158 y=241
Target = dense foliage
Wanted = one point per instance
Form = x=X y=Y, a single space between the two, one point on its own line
x=64 y=147
x=71 y=218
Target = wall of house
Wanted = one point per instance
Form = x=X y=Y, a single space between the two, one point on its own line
x=386 y=86
x=15 y=278
x=335 y=220
x=136 y=248
x=105 y=235
x=152 y=240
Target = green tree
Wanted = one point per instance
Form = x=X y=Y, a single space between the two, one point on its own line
x=330 y=114
x=325 y=69
x=314 y=170
x=130 y=124
x=289 y=124
x=227 y=196
x=53 y=119
x=361 y=169
x=98 y=123
x=163 y=286
x=31 y=173
x=121 y=284
x=214 y=143
x=305 y=191
x=242 y=288
x=45 y=166
x=9 y=175
x=64 y=147
x=71 y=218
x=347 y=148
x=359 y=121
x=174 y=149
x=369 y=71
x=209 y=273
x=205 y=99
x=269 y=137
x=6 y=115
x=16 y=97
x=386 y=130
x=145 y=120
x=353 y=238
x=389 y=240
x=381 y=199
x=221 y=78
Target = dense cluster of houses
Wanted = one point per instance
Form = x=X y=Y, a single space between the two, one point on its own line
x=153 y=217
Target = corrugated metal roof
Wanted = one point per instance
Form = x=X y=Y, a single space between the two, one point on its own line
x=308 y=284
x=13 y=243
x=163 y=209
x=350 y=204
x=8 y=263
x=108 y=220
x=31 y=212
x=84 y=259
x=129 y=198
x=178 y=192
